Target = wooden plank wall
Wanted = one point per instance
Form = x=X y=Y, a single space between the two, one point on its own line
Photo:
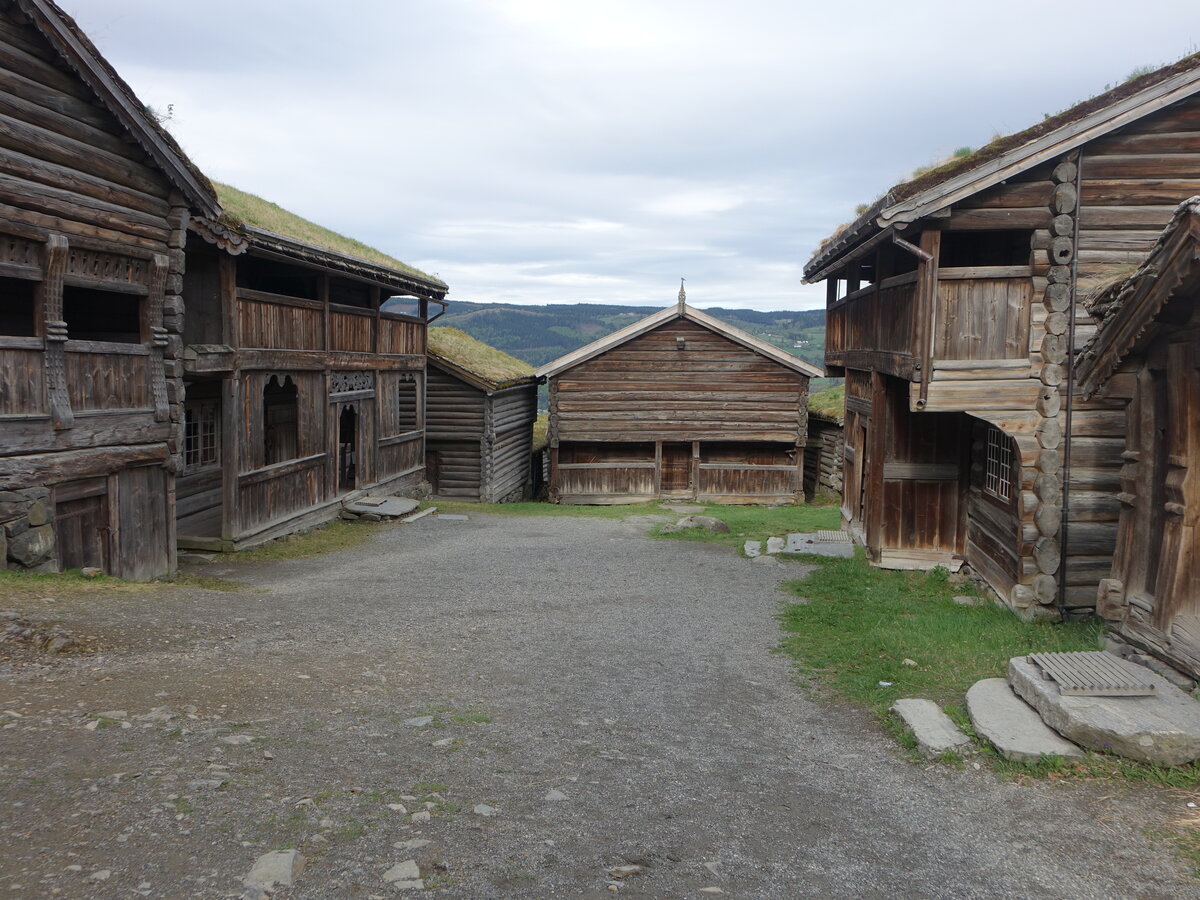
x=649 y=389
x=506 y=452
x=71 y=179
x=455 y=414
x=824 y=456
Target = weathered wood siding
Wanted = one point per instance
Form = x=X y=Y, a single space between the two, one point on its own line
x=823 y=456
x=82 y=206
x=649 y=389
x=509 y=442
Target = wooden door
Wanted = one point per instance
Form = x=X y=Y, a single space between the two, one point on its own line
x=676 y=468
x=81 y=525
x=145 y=542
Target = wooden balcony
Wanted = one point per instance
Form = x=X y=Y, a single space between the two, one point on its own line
x=874 y=328
x=275 y=322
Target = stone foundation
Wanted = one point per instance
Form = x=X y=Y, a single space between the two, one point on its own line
x=27 y=530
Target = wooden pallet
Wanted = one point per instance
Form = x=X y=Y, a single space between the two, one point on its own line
x=1094 y=674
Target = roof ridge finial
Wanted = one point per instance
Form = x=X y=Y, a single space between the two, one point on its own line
x=682 y=296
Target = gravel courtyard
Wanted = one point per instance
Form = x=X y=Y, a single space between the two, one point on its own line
x=563 y=697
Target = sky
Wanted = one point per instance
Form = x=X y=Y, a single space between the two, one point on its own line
x=563 y=151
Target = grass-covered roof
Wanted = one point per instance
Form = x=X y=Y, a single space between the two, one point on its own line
x=254 y=211
x=829 y=403
x=472 y=357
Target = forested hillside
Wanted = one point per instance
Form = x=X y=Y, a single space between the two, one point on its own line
x=539 y=334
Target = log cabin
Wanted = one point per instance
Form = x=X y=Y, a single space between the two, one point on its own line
x=952 y=314
x=1147 y=354
x=304 y=369
x=480 y=404
x=826 y=444
x=677 y=406
x=94 y=208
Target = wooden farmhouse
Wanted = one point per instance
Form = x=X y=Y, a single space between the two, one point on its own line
x=682 y=406
x=953 y=314
x=302 y=390
x=480 y=405
x=1147 y=353
x=94 y=203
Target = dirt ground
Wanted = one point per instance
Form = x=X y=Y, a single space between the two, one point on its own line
x=561 y=696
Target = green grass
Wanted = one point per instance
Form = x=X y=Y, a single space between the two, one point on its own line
x=208 y=582
x=28 y=586
x=860 y=624
x=335 y=535
x=456 y=347
x=829 y=402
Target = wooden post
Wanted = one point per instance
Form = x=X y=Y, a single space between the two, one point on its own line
x=156 y=370
x=227 y=286
x=658 y=468
x=927 y=309
x=55 y=330
x=231 y=427
x=694 y=470
x=323 y=296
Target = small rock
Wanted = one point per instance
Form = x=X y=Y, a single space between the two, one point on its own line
x=419 y=721
x=236 y=740
x=482 y=809
x=963 y=600
x=908 y=662
x=752 y=548
x=555 y=796
x=75 y=868
x=776 y=544
x=267 y=754
x=443 y=742
x=398 y=808
x=279 y=868
x=404 y=871
x=91 y=572
x=100 y=875
x=932 y=728
x=626 y=871
x=713 y=867
x=420 y=818
x=205 y=784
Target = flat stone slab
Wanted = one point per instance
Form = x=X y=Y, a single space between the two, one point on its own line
x=815 y=544
x=932 y=728
x=752 y=548
x=383 y=506
x=1011 y=725
x=1163 y=729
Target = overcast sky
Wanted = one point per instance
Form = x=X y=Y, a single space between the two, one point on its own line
x=540 y=151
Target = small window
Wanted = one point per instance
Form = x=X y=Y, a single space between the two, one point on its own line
x=200 y=434
x=94 y=315
x=280 y=420
x=408 y=406
x=968 y=249
x=998 y=478
x=18 y=308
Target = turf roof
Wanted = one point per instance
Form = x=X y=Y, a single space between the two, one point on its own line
x=461 y=351
x=254 y=211
x=829 y=403
x=1002 y=145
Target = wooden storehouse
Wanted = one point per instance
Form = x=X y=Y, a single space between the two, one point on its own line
x=94 y=205
x=480 y=404
x=681 y=406
x=1147 y=353
x=825 y=450
x=953 y=315
x=304 y=365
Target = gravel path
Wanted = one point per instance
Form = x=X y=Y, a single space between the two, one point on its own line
x=597 y=699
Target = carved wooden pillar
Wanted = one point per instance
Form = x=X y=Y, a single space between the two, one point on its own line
x=159 y=268
x=55 y=329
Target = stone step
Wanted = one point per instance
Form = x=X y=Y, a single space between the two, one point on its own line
x=931 y=727
x=1162 y=729
x=1011 y=725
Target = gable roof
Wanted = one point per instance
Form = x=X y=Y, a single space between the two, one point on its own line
x=1010 y=155
x=678 y=311
x=248 y=221
x=475 y=362
x=80 y=54
x=1128 y=309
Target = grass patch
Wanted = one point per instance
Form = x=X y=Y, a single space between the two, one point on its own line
x=829 y=402
x=459 y=349
x=29 y=586
x=860 y=624
x=336 y=535
x=1185 y=839
x=208 y=582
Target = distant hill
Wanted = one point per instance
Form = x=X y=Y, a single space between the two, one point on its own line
x=539 y=334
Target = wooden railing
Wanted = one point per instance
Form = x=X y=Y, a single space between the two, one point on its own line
x=398 y=454
x=983 y=313
x=878 y=319
x=275 y=322
x=108 y=375
x=22 y=376
x=279 y=490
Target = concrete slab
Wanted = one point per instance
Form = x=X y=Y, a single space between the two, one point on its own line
x=1011 y=725
x=813 y=543
x=383 y=506
x=1163 y=729
x=932 y=728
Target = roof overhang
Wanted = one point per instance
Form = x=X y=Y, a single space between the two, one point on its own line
x=678 y=311
x=476 y=380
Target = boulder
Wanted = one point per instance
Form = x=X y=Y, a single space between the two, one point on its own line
x=1011 y=725
x=931 y=727
x=280 y=868
x=32 y=547
x=1162 y=729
